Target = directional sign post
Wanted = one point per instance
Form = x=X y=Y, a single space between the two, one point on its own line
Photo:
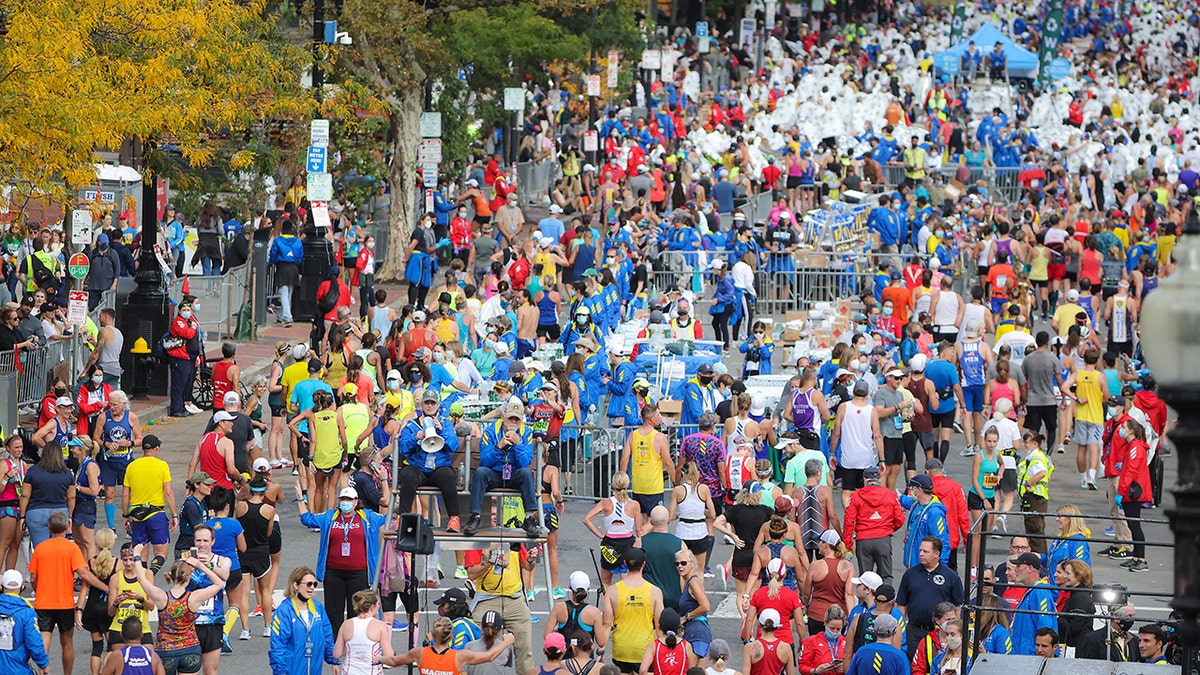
x=78 y=266
x=514 y=99
x=316 y=159
x=77 y=308
x=319 y=133
x=320 y=187
x=430 y=151
x=81 y=227
x=431 y=125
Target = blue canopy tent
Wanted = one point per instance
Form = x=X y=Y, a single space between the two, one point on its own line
x=1021 y=61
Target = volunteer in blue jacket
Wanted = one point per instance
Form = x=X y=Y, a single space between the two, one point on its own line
x=348 y=555
x=943 y=373
x=506 y=460
x=926 y=517
x=429 y=468
x=301 y=635
x=759 y=348
x=620 y=385
x=699 y=396
x=579 y=327
x=1027 y=571
x=285 y=254
x=595 y=372
x=26 y=641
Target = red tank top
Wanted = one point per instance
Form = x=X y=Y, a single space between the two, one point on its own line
x=221 y=383
x=669 y=661
x=828 y=591
x=211 y=461
x=770 y=663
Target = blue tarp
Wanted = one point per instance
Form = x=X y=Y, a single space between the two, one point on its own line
x=1021 y=61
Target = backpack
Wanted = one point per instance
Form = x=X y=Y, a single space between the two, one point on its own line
x=165 y=343
x=393 y=575
x=327 y=302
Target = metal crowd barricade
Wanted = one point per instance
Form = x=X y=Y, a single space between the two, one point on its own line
x=218 y=300
x=534 y=180
x=35 y=367
x=597 y=453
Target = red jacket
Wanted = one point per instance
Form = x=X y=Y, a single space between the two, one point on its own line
x=929 y=647
x=874 y=512
x=365 y=257
x=186 y=329
x=89 y=404
x=1136 y=470
x=951 y=494
x=343 y=296
x=1149 y=403
x=814 y=651
x=1116 y=449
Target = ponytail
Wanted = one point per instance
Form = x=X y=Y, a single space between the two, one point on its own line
x=671 y=639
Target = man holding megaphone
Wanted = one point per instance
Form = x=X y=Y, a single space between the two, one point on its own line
x=428 y=442
x=506 y=460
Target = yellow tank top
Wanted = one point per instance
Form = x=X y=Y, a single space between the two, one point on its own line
x=328 y=450
x=646 y=476
x=357 y=418
x=1087 y=387
x=1039 y=267
x=448 y=389
x=543 y=259
x=446 y=329
x=633 y=622
x=336 y=372
x=129 y=608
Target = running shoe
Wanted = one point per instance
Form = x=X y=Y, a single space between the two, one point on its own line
x=1110 y=532
x=1120 y=554
x=1109 y=551
x=1083 y=485
x=1002 y=519
x=266 y=632
x=245 y=634
x=531 y=596
x=1140 y=566
x=257 y=611
x=1129 y=564
x=399 y=624
x=1062 y=449
x=1149 y=506
x=1091 y=484
x=723 y=572
x=295 y=472
x=558 y=593
x=969 y=451
x=958 y=428
x=460 y=573
x=226 y=648
x=453 y=526
x=708 y=573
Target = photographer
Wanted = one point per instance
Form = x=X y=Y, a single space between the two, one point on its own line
x=496 y=574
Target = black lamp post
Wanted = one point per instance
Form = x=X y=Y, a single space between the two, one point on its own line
x=1170 y=331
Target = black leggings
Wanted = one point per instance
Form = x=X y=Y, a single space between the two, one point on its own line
x=720 y=324
x=1133 y=509
x=1036 y=415
x=416 y=294
x=340 y=587
x=443 y=478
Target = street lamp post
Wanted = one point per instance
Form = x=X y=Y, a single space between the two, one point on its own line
x=147 y=312
x=1170 y=332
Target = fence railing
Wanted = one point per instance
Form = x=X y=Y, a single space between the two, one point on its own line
x=34 y=370
x=534 y=180
x=218 y=299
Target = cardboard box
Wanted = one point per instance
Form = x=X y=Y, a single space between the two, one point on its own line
x=795 y=316
x=792 y=334
x=815 y=261
x=671 y=409
x=953 y=190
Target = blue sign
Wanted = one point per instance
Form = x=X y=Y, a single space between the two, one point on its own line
x=701 y=29
x=1060 y=69
x=331 y=29
x=316 y=159
x=949 y=64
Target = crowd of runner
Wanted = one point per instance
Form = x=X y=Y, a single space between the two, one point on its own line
x=1015 y=324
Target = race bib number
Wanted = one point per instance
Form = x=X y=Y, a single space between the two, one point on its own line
x=991 y=480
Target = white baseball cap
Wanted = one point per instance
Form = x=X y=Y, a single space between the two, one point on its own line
x=869 y=579
x=775 y=567
x=758 y=404
x=917 y=363
x=393 y=374
x=299 y=351
x=63 y=401
x=223 y=416
x=579 y=580
x=261 y=465
x=348 y=493
x=831 y=537
x=769 y=614
x=12 y=580
x=232 y=398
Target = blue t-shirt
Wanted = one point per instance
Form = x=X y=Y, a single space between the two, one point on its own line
x=439 y=377
x=878 y=659
x=943 y=375
x=302 y=396
x=225 y=534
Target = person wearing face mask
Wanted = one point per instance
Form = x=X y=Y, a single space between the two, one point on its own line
x=107 y=352
x=505 y=458
x=699 y=397
x=683 y=326
x=759 y=348
x=103 y=273
x=1113 y=642
x=620 y=386
x=183 y=346
x=364 y=276
x=348 y=556
x=951 y=660
x=581 y=326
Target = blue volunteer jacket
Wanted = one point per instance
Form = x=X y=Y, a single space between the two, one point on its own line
x=27 y=641
x=410 y=447
x=374 y=523
x=620 y=388
x=286 y=248
x=290 y=638
x=1025 y=626
x=519 y=456
x=925 y=520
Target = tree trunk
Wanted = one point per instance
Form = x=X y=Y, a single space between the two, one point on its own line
x=405 y=119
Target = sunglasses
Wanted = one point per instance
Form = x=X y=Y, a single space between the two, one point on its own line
x=308 y=584
x=681 y=563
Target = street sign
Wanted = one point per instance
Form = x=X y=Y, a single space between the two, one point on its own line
x=320 y=187
x=702 y=45
x=428 y=201
x=614 y=66
x=429 y=174
x=78 y=266
x=701 y=29
x=949 y=64
x=591 y=141
x=316 y=159
x=430 y=151
x=77 y=308
x=431 y=125
x=320 y=214
x=81 y=227
x=514 y=99
x=318 y=134
x=593 y=85
x=772 y=8
x=747 y=34
x=651 y=59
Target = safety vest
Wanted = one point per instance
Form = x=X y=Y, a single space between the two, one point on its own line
x=1042 y=487
x=914 y=160
x=448 y=389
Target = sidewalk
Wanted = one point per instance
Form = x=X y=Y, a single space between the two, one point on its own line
x=255 y=357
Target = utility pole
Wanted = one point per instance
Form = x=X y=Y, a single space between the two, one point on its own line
x=318 y=36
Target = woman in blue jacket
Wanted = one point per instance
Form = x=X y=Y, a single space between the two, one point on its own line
x=1071 y=544
x=722 y=302
x=301 y=637
x=758 y=348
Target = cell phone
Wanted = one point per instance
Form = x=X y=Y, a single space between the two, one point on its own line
x=192 y=553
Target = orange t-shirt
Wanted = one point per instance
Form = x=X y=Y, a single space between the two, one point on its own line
x=1001 y=279
x=901 y=302
x=54 y=562
x=893 y=113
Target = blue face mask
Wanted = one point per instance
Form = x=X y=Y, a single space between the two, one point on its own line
x=832 y=636
x=345 y=506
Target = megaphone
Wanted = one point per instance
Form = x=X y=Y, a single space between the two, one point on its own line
x=432 y=442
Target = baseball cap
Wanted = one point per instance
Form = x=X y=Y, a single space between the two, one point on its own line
x=885 y=593
x=917 y=363
x=232 y=398
x=704 y=369
x=555 y=641
x=549 y=385
x=393 y=374
x=774 y=567
x=102 y=239
x=450 y=595
x=933 y=463
x=885 y=625
x=430 y=396
x=861 y=388
x=418 y=316
x=350 y=389
x=223 y=416
x=1073 y=295
x=200 y=478
x=348 y=493
x=771 y=616
x=831 y=537
x=1031 y=559
x=150 y=441
x=457 y=409
x=758 y=405
x=514 y=409
x=783 y=503
x=261 y=465
x=63 y=401
x=579 y=581
x=315 y=365
x=492 y=618
x=12 y=580
x=872 y=473
x=421 y=353
x=299 y=352
x=922 y=481
x=895 y=274
x=895 y=372
x=869 y=579
x=634 y=557
x=517 y=367
x=717 y=264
